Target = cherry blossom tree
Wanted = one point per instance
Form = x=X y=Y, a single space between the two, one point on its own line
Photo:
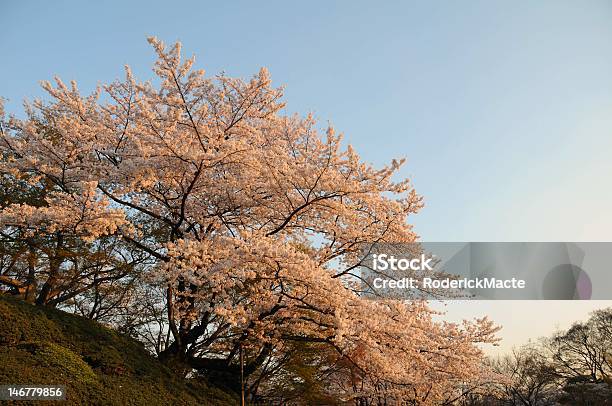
x=257 y=223
x=55 y=266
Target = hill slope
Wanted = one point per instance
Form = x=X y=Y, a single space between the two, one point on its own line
x=98 y=366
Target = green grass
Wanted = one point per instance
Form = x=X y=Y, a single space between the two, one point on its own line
x=98 y=366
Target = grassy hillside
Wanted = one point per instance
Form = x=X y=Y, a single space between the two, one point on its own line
x=97 y=365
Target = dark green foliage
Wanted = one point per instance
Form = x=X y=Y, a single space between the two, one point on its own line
x=39 y=345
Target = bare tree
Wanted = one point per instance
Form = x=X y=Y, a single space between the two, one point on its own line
x=531 y=377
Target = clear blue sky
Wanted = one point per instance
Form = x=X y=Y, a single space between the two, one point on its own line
x=502 y=108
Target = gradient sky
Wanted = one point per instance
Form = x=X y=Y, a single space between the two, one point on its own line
x=503 y=109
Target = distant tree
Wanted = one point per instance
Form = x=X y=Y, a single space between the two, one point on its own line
x=582 y=355
x=570 y=368
x=585 y=349
x=532 y=380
